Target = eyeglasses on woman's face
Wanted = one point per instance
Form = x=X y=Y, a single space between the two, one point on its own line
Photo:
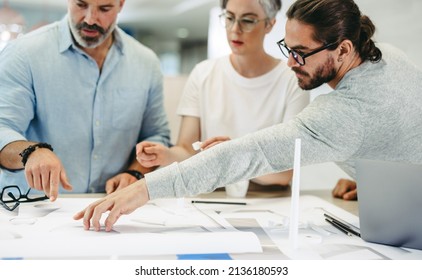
x=300 y=57
x=245 y=24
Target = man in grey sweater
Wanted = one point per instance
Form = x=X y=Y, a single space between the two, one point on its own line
x=373 y=112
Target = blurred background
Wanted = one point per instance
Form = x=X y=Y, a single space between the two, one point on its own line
x=184 y=32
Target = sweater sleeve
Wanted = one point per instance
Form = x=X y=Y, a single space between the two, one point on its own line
x=328 y=129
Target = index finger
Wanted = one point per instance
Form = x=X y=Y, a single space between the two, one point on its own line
x=208 y=141
x=54 y=184
x=152 y=149
x=141 y=146
x=214 y=140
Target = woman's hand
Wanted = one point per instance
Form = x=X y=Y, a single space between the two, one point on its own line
x=150 y=154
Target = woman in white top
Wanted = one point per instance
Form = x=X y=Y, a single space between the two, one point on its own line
x=237 y=94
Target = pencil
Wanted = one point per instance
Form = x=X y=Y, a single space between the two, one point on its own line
x=340 y=228
x=349 y=228
x=218 y=202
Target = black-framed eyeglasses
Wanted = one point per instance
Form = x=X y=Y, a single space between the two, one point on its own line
x=246 y=24
x=11 y=197
x=300 y=58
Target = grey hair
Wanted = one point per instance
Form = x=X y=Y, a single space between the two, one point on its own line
x=271 y=7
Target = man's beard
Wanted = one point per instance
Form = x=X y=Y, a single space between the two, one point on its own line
x=323 y=74
x=88 y=41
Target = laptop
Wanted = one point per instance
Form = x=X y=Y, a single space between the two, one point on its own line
x=390 y=202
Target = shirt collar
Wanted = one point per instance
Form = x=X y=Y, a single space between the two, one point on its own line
x=67 y=42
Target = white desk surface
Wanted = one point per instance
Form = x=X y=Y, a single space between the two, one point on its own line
x=260 y=228
x=325 y=194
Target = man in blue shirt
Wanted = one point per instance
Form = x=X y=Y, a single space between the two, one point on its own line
x=76 y=97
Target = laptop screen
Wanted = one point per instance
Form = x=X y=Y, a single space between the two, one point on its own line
x=390 y=202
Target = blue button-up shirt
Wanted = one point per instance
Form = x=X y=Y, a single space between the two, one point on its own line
x=52 y=91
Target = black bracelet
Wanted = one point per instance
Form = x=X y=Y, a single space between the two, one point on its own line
x=135 y=173
x=28 y=151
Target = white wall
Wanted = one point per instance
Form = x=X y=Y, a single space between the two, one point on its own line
x=398 y=23
x=173 y=89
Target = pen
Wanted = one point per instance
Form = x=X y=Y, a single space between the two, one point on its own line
x=342 y=224
x=197 y=145
x=338 y=227
x=218 y=202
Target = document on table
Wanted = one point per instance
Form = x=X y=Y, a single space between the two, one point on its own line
x=163 y=227
x=170 y=227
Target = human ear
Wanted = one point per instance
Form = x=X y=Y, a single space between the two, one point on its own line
x=269 y=24
x=344 y=49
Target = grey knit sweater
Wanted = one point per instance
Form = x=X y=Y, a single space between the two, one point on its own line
x=375 y=112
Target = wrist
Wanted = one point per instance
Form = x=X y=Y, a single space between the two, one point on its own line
x=135 y=173
x=30 y=149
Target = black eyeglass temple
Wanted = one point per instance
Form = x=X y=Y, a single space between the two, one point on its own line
x=35 y=199
x=12 y=196
x=28 y=199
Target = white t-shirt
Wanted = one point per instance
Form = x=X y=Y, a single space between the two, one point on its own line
x=229 y=104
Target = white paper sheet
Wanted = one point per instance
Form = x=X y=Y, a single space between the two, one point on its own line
x=163 y=227
x=167 y=228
